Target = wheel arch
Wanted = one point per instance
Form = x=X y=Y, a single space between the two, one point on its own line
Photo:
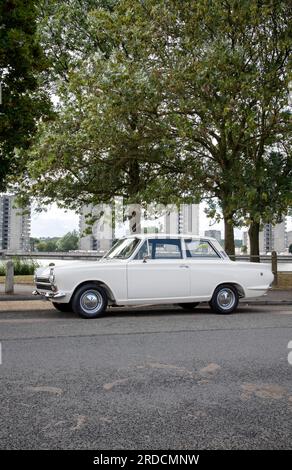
x=107 y=289
x=238 y=287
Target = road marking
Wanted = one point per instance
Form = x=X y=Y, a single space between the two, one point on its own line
x=81 y=419
x=273 y=391
x=159 y=365
x=104 y=419
x=211 y=368
x=44 y=388
x=109 y=386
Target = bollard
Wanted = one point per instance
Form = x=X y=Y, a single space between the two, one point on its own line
x=275 y=268
x=9 y=279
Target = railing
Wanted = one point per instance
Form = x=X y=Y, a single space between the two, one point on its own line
x=51 y=255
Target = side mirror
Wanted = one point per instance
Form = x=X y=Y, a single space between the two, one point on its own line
x=145 y=258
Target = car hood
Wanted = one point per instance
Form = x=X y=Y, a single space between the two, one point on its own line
x=80 y=265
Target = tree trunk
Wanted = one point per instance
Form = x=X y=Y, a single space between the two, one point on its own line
x=253 y=233
x=229 y=237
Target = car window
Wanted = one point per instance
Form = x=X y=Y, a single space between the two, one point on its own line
x=142 y=252
x=165 y=249
x=123 y=248
x=200 y=249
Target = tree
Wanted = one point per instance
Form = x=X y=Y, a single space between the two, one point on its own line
x=68 y=242
x=23 y=100
x=175 y=99
x=47 y=245
x=270 y=175
x=107 y=139
x=228 y=70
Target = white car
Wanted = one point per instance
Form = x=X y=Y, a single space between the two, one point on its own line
x=154 y=269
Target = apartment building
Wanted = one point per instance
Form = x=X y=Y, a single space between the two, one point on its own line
x=214 y=234
x=185 y=219
x=271 y=238
x=14 y=225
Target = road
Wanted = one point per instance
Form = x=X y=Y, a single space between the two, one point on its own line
x=145 y=378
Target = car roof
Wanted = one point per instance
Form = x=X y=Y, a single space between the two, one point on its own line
x=169 y=235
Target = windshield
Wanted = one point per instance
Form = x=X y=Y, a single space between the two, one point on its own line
x=123 y=249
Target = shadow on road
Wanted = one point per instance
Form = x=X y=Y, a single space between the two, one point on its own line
x=122 y=312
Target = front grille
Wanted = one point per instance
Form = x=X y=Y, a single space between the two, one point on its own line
x=43 y=286
x=43 y=283
x=44 y=280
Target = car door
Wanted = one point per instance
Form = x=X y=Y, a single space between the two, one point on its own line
x=163 y=274
x=206 y=267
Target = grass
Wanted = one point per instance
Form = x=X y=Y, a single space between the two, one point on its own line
x=28 y=279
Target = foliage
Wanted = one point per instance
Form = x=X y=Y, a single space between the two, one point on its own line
x=21 y=267
x=68 y=242
x=168 y=100
x=23 y=100
x=47 y=245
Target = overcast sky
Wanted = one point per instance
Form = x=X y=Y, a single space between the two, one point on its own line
x=56 y=222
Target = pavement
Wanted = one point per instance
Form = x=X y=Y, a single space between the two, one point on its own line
x=273 y=297
x=145 y=378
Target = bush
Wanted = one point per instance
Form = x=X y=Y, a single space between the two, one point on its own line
x=21 y=267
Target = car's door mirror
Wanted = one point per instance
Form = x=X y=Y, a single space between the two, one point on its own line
x=145 y=258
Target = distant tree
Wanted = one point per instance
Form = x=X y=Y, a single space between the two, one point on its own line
x=48 y=245
x=33 y=243
x=69 y=242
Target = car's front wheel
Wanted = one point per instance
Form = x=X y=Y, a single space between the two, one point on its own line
x=189 y=305
x=63 y=307
x=90 y=301
x=225 y=299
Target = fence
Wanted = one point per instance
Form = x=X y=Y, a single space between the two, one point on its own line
x=280 y=279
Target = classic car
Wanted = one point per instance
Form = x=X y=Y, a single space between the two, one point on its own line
x=154 y=269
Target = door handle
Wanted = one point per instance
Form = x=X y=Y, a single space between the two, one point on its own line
x=184 y=266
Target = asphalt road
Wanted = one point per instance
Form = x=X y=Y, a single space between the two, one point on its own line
x=144 y=378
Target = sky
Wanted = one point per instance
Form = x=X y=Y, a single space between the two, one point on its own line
x=57 y=222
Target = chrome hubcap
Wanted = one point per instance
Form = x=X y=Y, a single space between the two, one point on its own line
x=91 y=301
x=226 y=298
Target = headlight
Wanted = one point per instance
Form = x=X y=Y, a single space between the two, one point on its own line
x=52 y=276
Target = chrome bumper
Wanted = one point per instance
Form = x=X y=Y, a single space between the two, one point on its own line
x=50 y=295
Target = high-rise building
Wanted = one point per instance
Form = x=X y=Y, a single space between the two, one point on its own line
x=213 y=234
x=271 y=238
x=14 y=225
x=184 y=219
x=274 y=237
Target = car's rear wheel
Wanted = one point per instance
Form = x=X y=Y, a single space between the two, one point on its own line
x=189 y=305
x=225 y=299
x=90 y=301
x=63 y=307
